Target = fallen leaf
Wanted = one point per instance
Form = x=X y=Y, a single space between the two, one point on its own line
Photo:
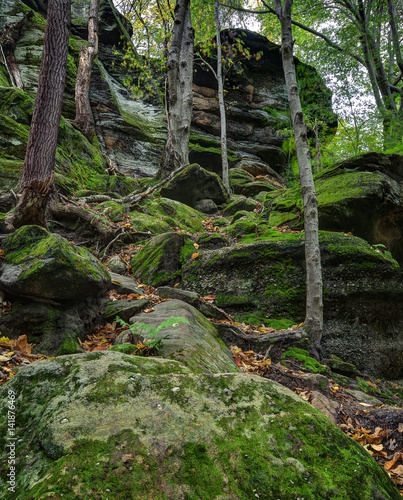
x=398 y=470
x=149 y=310
x=195 y=255
x=209 y=297
x=196 y=245
x=377 y=447
x=388 y=465
x=400 y=427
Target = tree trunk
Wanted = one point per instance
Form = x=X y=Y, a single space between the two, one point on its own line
x=37 y=178
x=223 y=120
x=11 y=35
x=314 y=303
x=180 y=99
x=84 y=120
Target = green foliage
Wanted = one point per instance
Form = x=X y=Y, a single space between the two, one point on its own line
x=151 y=331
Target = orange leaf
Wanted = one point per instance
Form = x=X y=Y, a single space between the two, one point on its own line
x=209 y=297
x=195 y=255
x=149 y=310
x=391 y=463
x=101 y=348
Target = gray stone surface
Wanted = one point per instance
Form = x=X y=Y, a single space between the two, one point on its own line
x=195 y=343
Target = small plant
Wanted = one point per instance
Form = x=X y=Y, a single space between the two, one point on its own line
x=148 y=331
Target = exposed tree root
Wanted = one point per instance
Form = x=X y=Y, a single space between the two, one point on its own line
x=231 y=334
x=75 y=213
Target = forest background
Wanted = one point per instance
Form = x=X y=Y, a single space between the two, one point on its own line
x=354 y=45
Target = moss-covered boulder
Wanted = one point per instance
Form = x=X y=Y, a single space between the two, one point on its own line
x=53 y=327
x=240 y=203
x=192 y=339
x=144 y=222
x=238 y=178
x=176 y=214
x=43 y=265
x=160 y=260
x=194 y=183
x=362 y=195
x=363 y=292
x=107 y=424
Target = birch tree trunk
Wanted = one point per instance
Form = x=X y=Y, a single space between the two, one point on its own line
x=84 y=120
x=180 y=98
x=314 y=302
x=223 y=120
x=37 y=178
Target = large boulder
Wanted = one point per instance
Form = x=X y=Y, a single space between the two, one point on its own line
x=159 y=261
x=42 y=265
x=110 y=425
x=194 y=183
x=363 y=292
x=194 y=341
x=362 y=195
x=57 y=289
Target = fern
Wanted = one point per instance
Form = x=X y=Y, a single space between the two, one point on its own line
x=151 y=331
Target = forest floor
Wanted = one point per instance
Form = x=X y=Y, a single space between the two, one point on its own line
x=378 y=428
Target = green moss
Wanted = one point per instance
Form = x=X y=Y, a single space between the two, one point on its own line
x=176 y=214
x=302 y=355
x=113 y=210
x=125 y=348
x=30 y=247
x=187 y=251
x=144 y=222
x=70 y=345
x=4 y=77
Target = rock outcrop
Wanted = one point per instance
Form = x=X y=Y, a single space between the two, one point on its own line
x=362 y=195
x=132 y=131
x=106 y=424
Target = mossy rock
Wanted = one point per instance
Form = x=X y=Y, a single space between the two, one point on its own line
x=246 y=223
x=266 y=276
x=159 y=261
x=144 y=222
x=175 y=212
x=113 y=210
x=361 y=195
x=194 y=183
x=78 y=163
x=192 y=340
x=238 y=178
x=149 y=428
x=310 y=364
x=250 y=189
x=239 y=203
x=44 y=265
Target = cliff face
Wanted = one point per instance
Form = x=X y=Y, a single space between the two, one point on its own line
x=132 y=131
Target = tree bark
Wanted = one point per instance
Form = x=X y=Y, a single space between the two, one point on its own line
x=37 y=178
x=84 y=120
x=180 y=99
x=223 y=120
x=314 y=301
x=11 y=35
